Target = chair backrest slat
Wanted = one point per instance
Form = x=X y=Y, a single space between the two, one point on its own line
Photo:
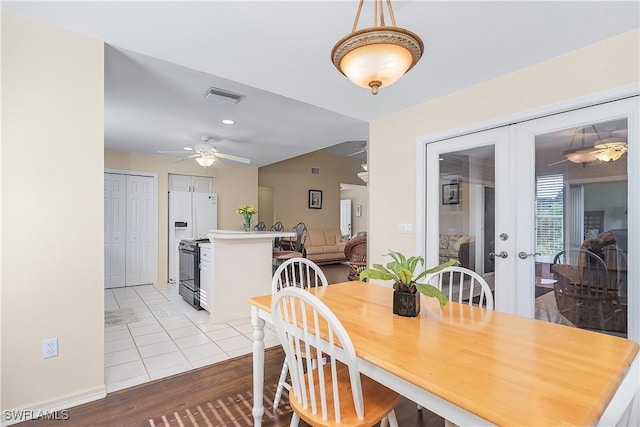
x=465 y=283
x=299 y=272
x=310 y=335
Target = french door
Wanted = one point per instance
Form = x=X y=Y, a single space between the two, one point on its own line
x=543 y=209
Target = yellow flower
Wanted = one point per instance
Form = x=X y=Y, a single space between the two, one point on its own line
x=246 y=210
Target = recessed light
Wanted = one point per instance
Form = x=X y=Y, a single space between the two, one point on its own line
x=228 y=122
x=188 y=148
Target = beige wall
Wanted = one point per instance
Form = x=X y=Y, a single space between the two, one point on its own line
x=359 y=195
x=52 y=213
x=235 y=185
x=265 y=206
x=392 y=144
x=291 y=181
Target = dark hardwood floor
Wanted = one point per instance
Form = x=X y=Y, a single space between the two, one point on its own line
x=336 y=273
x=216 y=395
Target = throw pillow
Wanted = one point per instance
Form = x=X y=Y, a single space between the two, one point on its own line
x=462 y=240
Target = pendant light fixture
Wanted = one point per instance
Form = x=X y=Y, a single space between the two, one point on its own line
x=377 y=56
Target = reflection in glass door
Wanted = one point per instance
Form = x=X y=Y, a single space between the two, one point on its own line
x=554 y=198
x=575 y=177
x=581 y=238
x=462 y=173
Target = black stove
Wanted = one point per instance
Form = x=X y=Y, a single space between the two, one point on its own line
x=189 y=271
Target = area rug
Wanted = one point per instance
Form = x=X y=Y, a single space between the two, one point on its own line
x=120 y=316
x=232 y=410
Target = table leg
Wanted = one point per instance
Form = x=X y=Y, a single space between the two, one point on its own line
x=258 y=366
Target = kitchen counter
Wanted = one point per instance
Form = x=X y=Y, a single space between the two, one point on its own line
x=239 y=235
x=241 y=268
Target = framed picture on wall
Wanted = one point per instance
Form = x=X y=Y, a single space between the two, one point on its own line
x=315 y=199
x=358 y=210
x=450 y=194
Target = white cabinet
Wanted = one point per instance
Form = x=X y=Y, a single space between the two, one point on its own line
x=206 y=275
x=191 y=183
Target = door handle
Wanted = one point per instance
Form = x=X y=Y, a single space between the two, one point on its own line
x=502 y=254
x=524 y=255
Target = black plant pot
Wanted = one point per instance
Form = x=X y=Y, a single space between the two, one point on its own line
x=406 y=304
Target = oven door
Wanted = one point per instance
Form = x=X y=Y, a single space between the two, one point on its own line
x=187 y=273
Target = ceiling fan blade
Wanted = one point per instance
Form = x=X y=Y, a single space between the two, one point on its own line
x=185 y=158
x=357 y=152
x=171 y=152
x=234 y=158
x=557 y=163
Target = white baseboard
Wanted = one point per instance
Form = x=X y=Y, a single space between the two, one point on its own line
x=53 y=409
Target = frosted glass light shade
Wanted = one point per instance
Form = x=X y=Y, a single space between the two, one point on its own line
x=363 y=176
x=378 y=56
x=205 y=161
x=580 y=157
x=384 y=63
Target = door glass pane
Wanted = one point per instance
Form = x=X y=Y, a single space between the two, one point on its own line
x=581 y=227
x=467 y=209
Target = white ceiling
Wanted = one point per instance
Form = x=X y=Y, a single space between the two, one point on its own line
x=162 y=56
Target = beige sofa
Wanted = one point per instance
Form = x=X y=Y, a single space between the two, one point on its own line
x=325 y=246
x=455 y=246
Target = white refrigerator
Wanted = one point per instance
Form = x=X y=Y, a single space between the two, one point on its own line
x=191 y=216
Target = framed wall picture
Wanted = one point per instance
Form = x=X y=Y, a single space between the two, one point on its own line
x=315 y=199
x=358 y=210
x=450 y=194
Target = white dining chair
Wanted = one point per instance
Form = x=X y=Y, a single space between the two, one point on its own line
x=300 y=273
x=464 y=286
x=331 y=393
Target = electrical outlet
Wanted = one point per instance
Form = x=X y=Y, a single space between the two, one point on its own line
x=49 y=348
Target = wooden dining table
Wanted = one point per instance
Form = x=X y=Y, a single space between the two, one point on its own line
x=475 y=366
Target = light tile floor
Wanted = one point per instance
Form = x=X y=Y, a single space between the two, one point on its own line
x=169 y=337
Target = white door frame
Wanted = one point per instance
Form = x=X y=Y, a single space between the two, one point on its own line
x=633 y=167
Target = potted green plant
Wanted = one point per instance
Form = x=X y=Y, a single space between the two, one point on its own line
x=406 y=300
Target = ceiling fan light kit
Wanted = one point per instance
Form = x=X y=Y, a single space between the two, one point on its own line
x=378 y=56
x=611 y=151
x=364 y=176
x=605 y=150
x=205 y=161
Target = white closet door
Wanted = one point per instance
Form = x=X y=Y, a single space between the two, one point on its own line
x=117 y=232
x=147 y=265
x=107 y=230
x=134 y=229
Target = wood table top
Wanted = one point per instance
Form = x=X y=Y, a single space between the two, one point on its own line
x=507 y=369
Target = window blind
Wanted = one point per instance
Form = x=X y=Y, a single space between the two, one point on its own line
x=549 y=214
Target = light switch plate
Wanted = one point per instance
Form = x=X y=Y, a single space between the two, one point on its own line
x=404 y=228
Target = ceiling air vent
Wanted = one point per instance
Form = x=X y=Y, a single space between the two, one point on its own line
x=218 y=94
x=315 y=171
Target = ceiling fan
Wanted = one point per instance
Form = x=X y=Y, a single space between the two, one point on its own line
x=206 y=155
x=605 y=150
x=363 y=149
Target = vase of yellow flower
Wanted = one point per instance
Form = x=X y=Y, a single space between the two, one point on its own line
x=247 y=211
